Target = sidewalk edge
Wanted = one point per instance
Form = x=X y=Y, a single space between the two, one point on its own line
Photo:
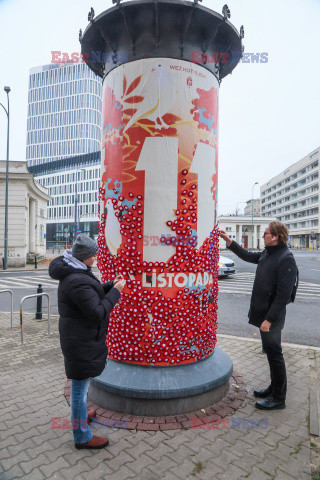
x=258 y=340
x=315 y=398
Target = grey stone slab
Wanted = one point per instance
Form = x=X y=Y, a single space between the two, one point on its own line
x=156 y=391
x=166 y=382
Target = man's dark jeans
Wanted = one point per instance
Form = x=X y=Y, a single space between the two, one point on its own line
x=271 y=342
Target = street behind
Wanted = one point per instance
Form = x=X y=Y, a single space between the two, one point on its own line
x=302 y=321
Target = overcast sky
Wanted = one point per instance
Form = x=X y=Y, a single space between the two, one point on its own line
x=269 y=112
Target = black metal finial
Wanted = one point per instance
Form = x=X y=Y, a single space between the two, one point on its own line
x=91 y=15
x=80 y=35
x=241 y=31
x=226 y=12
x=116 y=1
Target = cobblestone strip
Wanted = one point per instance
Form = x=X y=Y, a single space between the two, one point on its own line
x=208 y=417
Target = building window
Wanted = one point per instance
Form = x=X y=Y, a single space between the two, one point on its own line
x=41 y=235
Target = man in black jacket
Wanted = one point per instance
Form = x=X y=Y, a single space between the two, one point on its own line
x=272 y=289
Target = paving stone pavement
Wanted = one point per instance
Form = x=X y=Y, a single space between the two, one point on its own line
x=32 y=385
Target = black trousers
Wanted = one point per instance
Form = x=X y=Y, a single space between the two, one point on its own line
x=271 y=342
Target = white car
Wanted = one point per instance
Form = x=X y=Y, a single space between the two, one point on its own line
x=226 y=267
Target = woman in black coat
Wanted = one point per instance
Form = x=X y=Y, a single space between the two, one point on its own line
x=84 y=307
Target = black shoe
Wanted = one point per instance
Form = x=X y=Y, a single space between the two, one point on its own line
x=270 y=403
x=266 y=392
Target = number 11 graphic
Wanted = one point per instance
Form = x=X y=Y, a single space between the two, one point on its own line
x=159 y=160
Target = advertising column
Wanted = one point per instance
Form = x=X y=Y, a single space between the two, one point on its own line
x=158 y=210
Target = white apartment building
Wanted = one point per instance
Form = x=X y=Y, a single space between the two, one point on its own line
x=255 y=203
x=292 y=197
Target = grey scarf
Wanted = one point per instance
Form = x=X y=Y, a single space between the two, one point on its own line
x=72 y=261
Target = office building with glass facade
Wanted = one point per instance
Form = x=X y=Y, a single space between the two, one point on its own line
x=64 y=112
x=63 y=179
x=63 y=143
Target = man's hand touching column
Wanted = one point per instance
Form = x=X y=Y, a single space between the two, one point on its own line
x=225 y=237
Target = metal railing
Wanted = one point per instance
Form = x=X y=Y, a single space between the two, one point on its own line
x=9 y=291
x=34 y=296
x=56 y=247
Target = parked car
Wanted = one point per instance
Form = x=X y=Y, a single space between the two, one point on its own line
x=226 y=267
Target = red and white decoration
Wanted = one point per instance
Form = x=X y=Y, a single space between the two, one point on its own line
x=158 y=202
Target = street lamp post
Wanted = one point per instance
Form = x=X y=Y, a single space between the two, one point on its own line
x=252 y=214
x=76 y=218
x=5 y=258
x=75 y=206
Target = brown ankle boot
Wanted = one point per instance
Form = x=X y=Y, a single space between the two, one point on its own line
x=91 y=413
x=95 y=442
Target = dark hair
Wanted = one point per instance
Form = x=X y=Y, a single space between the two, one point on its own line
x=280 y=229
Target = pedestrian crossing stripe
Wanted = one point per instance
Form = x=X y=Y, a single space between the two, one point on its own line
x=27 y=282
x=306 y=286
x=245 y=292
x=242 y=283
x=38 y=277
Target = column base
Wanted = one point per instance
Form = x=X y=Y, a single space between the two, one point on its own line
x=158 y=391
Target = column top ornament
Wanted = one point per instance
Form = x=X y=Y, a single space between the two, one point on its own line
x=177 y=29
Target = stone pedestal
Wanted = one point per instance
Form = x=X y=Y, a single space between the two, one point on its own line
x=157 y=391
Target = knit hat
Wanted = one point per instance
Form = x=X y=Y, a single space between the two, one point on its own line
x=84 y=247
